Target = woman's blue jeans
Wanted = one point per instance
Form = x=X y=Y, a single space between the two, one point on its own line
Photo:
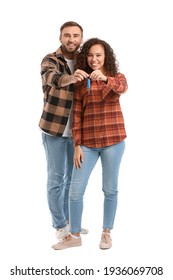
x=59 y=154
x=110 y=159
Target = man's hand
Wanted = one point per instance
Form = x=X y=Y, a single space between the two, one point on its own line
x=79 y=75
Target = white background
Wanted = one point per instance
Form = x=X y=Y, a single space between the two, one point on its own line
x=140 y=32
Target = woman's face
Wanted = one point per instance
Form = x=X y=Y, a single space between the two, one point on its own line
x=96 y=57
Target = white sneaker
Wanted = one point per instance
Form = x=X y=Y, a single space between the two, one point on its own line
x=62 y=232
x=83 y=230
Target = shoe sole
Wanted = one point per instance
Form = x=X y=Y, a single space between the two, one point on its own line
x=71 y=246
x=105 y=248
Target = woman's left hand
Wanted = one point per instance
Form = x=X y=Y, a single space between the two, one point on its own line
x=98 y=75
x=78 y=156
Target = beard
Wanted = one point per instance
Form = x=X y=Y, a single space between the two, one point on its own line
x=69 y=50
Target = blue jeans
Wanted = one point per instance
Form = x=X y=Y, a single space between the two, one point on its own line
x=110 y=159
x=59 y=154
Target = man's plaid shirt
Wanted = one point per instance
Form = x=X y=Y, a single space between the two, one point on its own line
x=97 y=117
x=57 y=101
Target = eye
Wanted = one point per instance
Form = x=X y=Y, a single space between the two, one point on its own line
x=76 y=36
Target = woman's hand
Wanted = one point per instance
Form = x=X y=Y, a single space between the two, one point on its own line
x=78 y=156
x=98 y=75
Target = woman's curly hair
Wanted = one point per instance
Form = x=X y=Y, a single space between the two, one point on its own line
x=110 y=65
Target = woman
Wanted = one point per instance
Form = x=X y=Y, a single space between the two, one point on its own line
x=98 y=131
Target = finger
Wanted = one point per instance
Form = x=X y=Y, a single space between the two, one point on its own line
x=77 y=163
x=81 y=159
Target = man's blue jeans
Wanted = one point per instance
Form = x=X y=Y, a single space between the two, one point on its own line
x=59 y=154
x=110 y=159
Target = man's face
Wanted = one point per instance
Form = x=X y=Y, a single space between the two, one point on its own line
x=71 y=39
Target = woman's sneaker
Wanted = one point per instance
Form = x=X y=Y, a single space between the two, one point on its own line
x=68 y=242
x=106 y=241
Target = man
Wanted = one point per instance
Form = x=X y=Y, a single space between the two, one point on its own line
x=58 y=78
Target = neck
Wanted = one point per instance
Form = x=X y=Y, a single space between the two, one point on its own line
x=68 y=55
x=71 y=56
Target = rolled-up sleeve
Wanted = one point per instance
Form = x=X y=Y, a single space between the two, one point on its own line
x=115 y=86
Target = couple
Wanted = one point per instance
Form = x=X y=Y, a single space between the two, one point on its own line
x=81 y=121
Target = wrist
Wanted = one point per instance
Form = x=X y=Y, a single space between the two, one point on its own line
x=106 y=79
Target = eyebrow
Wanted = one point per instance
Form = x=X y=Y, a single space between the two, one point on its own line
x=94 y=53
x=75 y=34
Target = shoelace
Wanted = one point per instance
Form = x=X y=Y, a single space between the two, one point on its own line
x=106 y=237
x=65 y=238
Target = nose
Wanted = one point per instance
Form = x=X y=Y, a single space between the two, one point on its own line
x=71 y=38
x=94 y=58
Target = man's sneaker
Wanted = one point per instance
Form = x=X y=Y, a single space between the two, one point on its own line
x=62 y=232
x=84 y=231
x=106 y=241
x=68 y=242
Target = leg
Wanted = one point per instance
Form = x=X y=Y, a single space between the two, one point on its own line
x=68 y=175
x=56 y=151
x=79 y=182
x=111 y=159
x=77 y=189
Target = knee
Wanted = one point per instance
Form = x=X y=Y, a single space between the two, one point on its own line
x=75 y=195
x=77 y=189
x=110 y=194
x=55 y=181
